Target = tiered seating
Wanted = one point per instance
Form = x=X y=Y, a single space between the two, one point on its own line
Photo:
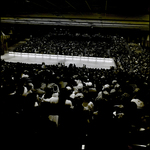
x=92 y=104
x=64 y=42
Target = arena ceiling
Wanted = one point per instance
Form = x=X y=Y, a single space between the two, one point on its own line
x=80 y=7
x=91 y=13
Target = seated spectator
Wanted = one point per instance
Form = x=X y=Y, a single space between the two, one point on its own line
x=50 y=97
x=88 y=106
x=38 y=90
x=137 y=95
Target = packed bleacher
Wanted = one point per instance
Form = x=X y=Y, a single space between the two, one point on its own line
x=60 y=106
x=65 y=42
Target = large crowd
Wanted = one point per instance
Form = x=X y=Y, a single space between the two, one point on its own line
x=65 y=42
x=65 y=107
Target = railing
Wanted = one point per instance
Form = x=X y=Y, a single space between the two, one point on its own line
x=67 y=57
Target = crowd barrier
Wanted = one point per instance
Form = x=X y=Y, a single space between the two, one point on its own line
x=63 y=57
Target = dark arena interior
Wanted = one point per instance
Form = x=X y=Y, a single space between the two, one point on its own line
x=75 y=74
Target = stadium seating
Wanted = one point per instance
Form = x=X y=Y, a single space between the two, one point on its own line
x=112 y=104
